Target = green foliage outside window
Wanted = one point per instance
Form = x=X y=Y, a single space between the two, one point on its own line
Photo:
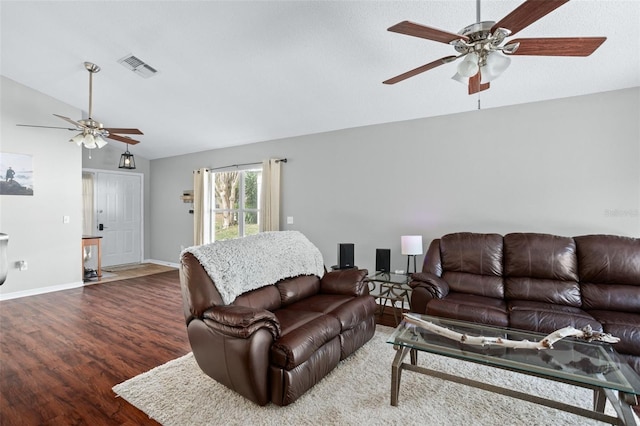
x=229 y=205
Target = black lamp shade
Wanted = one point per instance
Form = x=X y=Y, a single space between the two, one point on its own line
x=127 y=161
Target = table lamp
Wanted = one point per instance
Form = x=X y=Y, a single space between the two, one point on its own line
x=411 y=247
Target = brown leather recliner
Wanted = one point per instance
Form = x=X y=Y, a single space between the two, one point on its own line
x=536 y=282
x=276 y=342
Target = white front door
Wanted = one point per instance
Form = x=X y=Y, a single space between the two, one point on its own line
x=119 y=217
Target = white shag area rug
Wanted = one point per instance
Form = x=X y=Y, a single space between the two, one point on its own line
x=357 y=392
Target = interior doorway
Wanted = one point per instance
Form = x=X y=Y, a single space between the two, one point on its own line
x=114 y=212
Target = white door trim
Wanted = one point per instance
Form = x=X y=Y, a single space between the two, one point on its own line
x=94 y=225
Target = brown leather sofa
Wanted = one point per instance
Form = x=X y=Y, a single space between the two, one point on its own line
x=276 y=342
x=536 y=282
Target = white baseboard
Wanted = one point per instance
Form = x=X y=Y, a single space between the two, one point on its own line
x=162 y=262
x=41 y=290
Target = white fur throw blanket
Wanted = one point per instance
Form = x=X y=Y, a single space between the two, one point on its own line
x=243 y=264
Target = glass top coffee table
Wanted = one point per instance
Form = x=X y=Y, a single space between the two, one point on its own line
x=590 y=365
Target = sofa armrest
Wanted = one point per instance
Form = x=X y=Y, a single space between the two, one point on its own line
x=348 y=282
x=241 y=321
x=435 y=285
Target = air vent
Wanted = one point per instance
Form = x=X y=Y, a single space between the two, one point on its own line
x=138 y=66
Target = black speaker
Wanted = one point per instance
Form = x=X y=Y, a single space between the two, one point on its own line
x=345 y=256
x=383 y=260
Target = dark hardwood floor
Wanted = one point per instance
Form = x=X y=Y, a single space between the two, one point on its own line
x=61 y=353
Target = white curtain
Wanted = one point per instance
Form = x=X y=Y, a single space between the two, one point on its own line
x=202 y=206
x=87 y=204
x=270 y=200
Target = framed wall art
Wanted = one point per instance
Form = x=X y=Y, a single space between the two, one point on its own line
x=16 y=174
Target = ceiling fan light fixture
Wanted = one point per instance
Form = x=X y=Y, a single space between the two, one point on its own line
x=460 y=79
x=495 y=65
x=469 y=66
x=100 y=141
x=89 y=141
x=77 y=139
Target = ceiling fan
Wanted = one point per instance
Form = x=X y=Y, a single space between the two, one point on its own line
x=480 y=44
x=92 y=132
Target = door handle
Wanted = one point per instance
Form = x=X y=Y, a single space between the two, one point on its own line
x=101 y=227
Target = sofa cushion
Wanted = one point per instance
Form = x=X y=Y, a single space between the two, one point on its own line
x=609 y=272
x=473 y=253
x=625 y=326
x=548 y=317
x=541 y=267
x=297 y=288
x=321 y=303
x=354 y=312
x=467 y=307
x=548 y=291
x=624 y=298
x=541 y=256
x=609 y=259
x=480 y=285
x=263 y=298
x=302 y=334
x=348 y=310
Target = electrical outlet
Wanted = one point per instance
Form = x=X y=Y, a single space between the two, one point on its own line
x=22 y=265
x=289 y=220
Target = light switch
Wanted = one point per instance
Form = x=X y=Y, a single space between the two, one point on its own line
x=289 y=220
x=65 y=219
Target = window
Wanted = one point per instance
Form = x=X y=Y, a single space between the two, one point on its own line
x=237 y=203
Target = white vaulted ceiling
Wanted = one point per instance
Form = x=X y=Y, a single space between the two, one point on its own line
x=238 y=72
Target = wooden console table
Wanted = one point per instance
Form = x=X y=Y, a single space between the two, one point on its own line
x=92 y=240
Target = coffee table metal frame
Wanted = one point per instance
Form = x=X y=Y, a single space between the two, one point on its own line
x=391 y=288
x=621 y=402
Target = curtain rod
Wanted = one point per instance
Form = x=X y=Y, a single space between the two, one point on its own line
x=279 y=160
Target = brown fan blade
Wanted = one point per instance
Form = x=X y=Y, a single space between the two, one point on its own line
x=418 y=30
x=475 y=86
x=75 y=123
x=561 y=46
x=526 y=14
x=124 y=139
x=125 y=131
x=419 y=70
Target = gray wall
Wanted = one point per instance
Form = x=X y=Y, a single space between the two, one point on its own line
x=35 y=225
x=568 y=167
